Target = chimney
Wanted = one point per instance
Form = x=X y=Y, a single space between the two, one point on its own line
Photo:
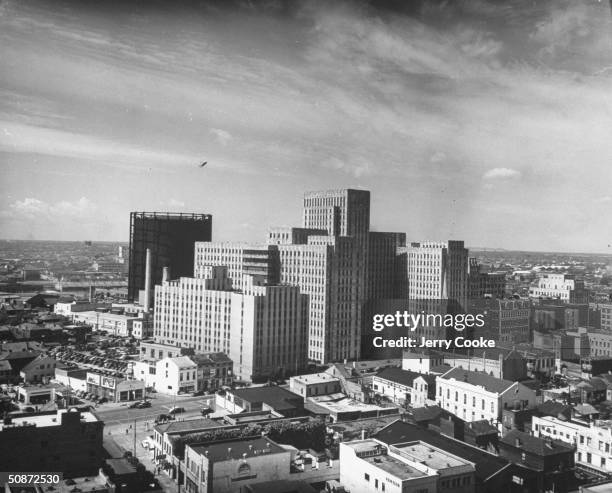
x=166 y=274
x=517 y=442
x=147 y=300
x=362 y=434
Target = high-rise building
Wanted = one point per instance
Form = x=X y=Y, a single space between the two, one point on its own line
x=170 y=238
x=239 y=258
x=262 y=328
x=485 y=284
x=333 y=259
x=437 y=280
x=438 y=270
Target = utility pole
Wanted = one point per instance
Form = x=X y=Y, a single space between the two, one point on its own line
x=134 y=437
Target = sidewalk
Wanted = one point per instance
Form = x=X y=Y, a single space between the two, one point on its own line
x=118 y=441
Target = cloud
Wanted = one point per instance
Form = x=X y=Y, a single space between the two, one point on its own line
x=31 y=208
x=501 y=174
x=221 y=136
x=176 y=203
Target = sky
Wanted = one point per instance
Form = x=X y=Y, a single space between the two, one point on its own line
x=488 y=121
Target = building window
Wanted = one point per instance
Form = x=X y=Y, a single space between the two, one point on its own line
x=366 y=476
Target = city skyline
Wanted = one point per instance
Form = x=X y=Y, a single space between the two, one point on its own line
x=469 y=122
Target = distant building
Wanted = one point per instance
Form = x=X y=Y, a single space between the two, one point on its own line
x=564 y=287
x=485 y=284
x=66 y=441
x=171 y=239
x=439 y=271
x=117 y=324
x=506 y=321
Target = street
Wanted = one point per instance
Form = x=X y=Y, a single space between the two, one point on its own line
x=113 y=413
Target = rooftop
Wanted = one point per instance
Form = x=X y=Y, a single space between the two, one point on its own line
x=404 y=377
x=45 y=419
x=486 y=464
x=183 y=362
x=187 y=425
x=424 y=453
x=478 y=379
x=380 y=459
x=535 y=445
x=272 y=395
x=237 y=449
x=314 y=378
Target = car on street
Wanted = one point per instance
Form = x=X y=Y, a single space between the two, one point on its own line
x=176 y=410
x=144 y=404
x=133 y=405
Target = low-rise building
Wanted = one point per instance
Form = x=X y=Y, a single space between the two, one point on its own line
x=405 y=387
x=76 y=379
x=115 y=389
x=66 y=441
x=473 y=396
x=41 y=369
x=270 y=398
x=373 y=466
x=227 y=466
x=315 y=384
x=184 y=374
x=551 y=460
x=215 y=370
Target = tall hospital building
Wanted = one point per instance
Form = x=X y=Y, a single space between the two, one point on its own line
x=327 y=259
x=262 y=328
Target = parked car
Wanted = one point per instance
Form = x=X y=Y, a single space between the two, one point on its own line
x=102 y=400
x=176 y=410
x=206 y=411
x=133 y=405
x=144 y=404
x=163 y=417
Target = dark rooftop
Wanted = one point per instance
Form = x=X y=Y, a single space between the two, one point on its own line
x=535 y=445
x=275 y=397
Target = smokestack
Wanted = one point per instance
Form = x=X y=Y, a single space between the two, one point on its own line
x=165 y=274
x=92 y=292
x=147 y=300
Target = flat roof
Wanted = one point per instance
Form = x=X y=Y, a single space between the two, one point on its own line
x=237 y=449
x=381 y=460
x=341 y=403
x=315 y=378
x=45 y=420
x=426 y=454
